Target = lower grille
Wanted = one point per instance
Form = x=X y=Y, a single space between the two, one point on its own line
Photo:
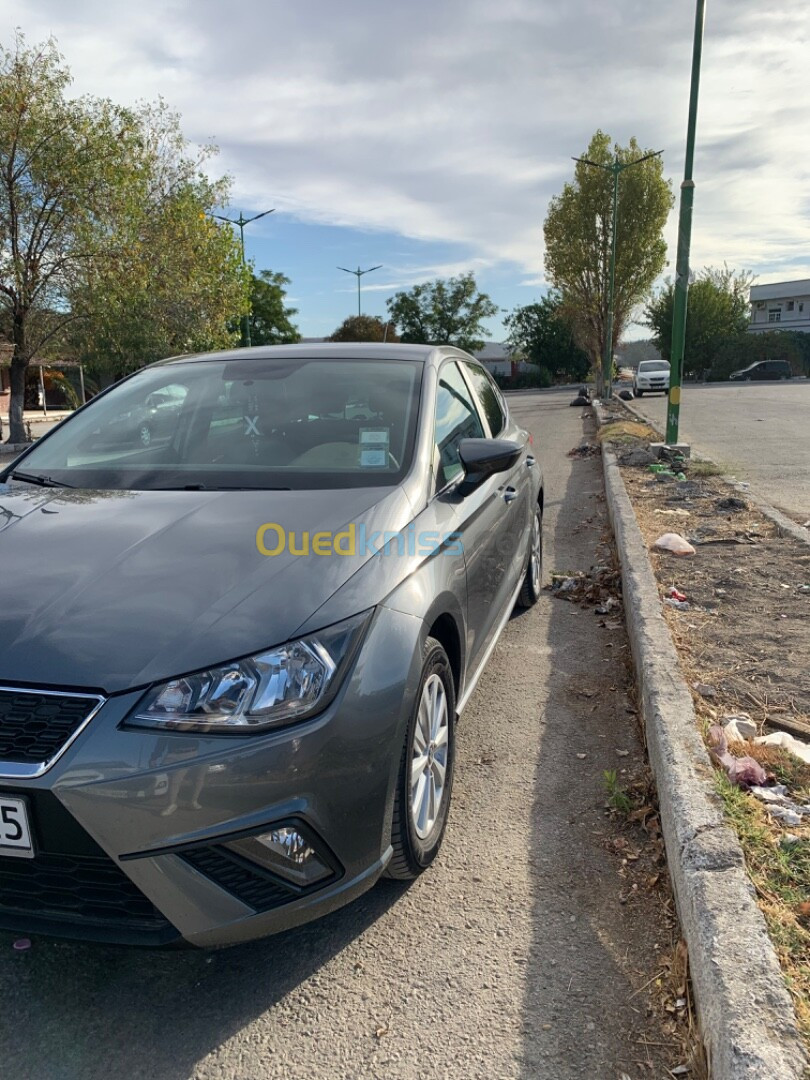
x=251 y=884
x=36 y=724
x=72 y=888
x=83 y=887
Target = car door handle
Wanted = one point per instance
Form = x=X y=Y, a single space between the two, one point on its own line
x=509 y=494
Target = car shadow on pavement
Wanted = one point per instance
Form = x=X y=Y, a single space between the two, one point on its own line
x=80 y=1012
x=590 y=950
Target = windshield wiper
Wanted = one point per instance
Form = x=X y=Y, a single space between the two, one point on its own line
x=42 y=481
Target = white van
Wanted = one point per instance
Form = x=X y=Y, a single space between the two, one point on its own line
x=652 y=376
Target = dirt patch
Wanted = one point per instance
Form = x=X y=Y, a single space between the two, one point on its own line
x=739 y=613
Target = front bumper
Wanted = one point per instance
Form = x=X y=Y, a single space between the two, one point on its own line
x=132 y=827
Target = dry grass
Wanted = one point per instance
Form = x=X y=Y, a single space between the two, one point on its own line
x=627 y=433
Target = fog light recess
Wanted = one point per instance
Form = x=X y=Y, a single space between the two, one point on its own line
x=287 y=852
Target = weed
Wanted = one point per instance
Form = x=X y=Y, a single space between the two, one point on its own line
x=704 y=468
x=618 y=799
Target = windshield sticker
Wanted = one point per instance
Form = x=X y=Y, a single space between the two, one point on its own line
x=375 y=437
x=373 y=459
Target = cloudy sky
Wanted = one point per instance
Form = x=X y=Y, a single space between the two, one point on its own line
x=428 y=135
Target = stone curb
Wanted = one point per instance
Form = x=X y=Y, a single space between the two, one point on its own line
x=785 y=525
x=746 y=1014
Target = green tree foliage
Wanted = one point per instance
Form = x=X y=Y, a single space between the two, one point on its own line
x=717 y=310
x=364 y=328
x=443 y=313
x=578 y=240
x=740 y=350
x=102 y=222
x=176 y=278
x=270 y=321
x=542 y=334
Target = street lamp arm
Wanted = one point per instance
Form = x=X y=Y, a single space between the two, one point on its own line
x=264 y=213
x=596 y=164
x=638 y=161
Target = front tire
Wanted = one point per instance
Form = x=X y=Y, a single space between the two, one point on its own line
x=639 y=393
x=425 y=780
x=533 y=579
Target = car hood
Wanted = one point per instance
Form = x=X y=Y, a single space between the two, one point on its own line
x=112 y=590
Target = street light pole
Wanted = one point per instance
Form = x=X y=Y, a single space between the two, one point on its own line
x=684 y=240
x=616 y=168
x=242 y=221
x=358 y=273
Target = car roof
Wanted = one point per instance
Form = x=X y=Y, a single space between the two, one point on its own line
x=343 y=350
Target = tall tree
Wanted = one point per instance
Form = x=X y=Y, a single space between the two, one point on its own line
x=102 y=219
x=443 y=313
x=543 y=334
x=270 y=321
x=578 y=234
x=364 y=328
x=718 y=308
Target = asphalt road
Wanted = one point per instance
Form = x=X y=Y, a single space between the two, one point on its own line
x=518 y=955
x=759 y=432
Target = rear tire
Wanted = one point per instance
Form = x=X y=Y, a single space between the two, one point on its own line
x=533 y=578
x=425 y=782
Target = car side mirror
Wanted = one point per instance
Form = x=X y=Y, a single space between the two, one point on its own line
x=483 y=458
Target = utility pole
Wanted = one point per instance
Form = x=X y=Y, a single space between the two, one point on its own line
x=684 y=240
x=358 y=273
x=616 y=168
x=242 y=221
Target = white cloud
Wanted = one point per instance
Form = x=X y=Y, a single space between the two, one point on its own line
x=456 y=121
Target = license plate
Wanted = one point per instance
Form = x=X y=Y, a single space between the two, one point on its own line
x=15 y=833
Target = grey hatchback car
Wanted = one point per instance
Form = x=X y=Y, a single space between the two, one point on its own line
x=232 y=659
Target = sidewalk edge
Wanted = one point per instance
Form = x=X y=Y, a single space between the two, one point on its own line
x=746 y=1013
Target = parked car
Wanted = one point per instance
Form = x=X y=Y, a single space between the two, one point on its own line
x=651 y=376
x=763 y=369
x=140 y=423
x=231 y=662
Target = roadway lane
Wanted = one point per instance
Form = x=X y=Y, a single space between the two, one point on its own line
x=523 y=953
x=758 y=432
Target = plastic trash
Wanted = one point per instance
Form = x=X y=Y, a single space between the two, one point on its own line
x=739 y=727
x=674 y=543
x=785 y=814
x=788 y=742
x=679 y=605
x=742 y=771
x=675 y=594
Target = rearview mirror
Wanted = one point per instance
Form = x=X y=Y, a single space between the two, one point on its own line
x=483 y=458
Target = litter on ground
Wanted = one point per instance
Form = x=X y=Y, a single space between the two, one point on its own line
x=674 y=543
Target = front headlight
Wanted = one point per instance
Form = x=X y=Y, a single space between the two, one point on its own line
x=275 y=687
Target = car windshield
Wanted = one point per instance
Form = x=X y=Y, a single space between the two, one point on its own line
x=653 y=365
x=258 y=422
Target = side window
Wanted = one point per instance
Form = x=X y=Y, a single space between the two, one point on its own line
x=488 y=398
x=456 y=419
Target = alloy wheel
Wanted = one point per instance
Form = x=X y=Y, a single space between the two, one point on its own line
x=429 y=756
x=536 y=557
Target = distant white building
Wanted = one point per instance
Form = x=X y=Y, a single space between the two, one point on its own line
x=784 y=305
